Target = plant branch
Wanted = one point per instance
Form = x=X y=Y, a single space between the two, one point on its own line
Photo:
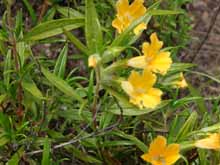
x=96 y=97
x=16 y=58
x=43 y=10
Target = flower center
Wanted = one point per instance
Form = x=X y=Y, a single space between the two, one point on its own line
x=160 y=159
x=140 y=90
x=128 y=15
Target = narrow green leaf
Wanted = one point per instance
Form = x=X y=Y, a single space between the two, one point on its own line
x=92 y=28
x=105 y=119
x=164 y=12
x=49 y=15
x=31 y=87
x=2 y=98
x=179 y=67
x=16 y=157
x=19 y=23
x=69 y=12
x=52 y=28
x=132 y=138
x=135 y=111
x=21 y=52
x=46 y=153
x=3 y=35
x=60 y=67
x=3 y=48
x=7 y=68
x=84 y=157
x=76 y=42
x=200 y=102
x=3 y=140
x=61 y=84
x=187 y=127
x=5 y=123
x=118 y=143
x=206 y=75
x=31 y=11
x=185 y=100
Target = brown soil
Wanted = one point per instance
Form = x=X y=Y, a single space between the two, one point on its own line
x=204 y=49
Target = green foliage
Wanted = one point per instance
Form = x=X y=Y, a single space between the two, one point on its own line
x=55 y=109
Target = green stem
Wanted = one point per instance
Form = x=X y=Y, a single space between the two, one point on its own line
x=96 y=96
x=187 y=146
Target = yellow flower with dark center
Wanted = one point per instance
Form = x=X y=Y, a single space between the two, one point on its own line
x=154 y=59
x=140 y=89
x=181 y=83
x=126 y=14
x=211 y=142
x=160 y=154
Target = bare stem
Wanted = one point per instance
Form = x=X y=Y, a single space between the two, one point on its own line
x=96 y=97
x=43 y=10
x=15 y=55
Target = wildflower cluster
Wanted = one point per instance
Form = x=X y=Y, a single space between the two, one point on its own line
x=100 y=96
x=154 y=60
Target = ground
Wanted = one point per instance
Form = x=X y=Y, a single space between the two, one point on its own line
x=205 y=45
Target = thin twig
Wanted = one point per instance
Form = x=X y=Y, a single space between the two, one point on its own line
x=43 y=10
x=213 y=21
x=94 y=134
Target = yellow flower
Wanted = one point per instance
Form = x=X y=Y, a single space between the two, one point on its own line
x=160 y=154
x=139 y=28
x=140 y=89
x=126 y=14
x=211 y=142
x=154 y=59
x=181 y=83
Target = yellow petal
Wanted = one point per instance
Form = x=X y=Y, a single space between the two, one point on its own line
x=152 y=49
x=146 y=157
x=161 y=63
x=135 y=79
x=157 y=146
x=172 y=153
x=142 y=82
x=152 y=98
x=137 y=99
x=139 y=88
x=116 y=23
x=137 y=9
x=181 y=83
x=138 y=62
x=140 y=28
x=156 y=43
x=122 y=6
x=211 y=142
x=147 y=51
x=127 y=87
x=149 y=78
x=126 y=14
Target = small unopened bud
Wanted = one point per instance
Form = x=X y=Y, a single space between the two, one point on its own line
x=93 y=60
